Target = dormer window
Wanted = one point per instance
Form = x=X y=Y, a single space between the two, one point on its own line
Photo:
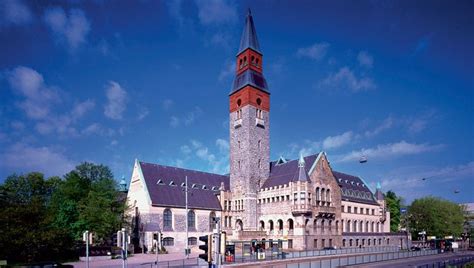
x=194 y=186
x=183 y=184
x=214 y=188
x=204 y=187
x=172 y=183
x=160 y=182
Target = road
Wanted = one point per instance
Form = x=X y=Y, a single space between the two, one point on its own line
x=415 y=261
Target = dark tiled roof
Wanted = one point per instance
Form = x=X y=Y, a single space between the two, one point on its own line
x=165 y=194
x=249 y=77
x=354 y=189
x=284 y=173
x=249 y=36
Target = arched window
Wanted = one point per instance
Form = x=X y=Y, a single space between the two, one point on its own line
x=372 y=227
x=378 y=227
x=348 y=226
x=252 y=59
x=240 y=63
x=343 y=242
x=318 y=197
x=239 y=102
x=262 y=225
x=366 y=226
x=322 y=226
x=280 y=225
x=354 y=226
x=330 y=226
x=337 y=227
x=315 y=226
x=168 y=241
x=290 y=224
x=191 y=220
x=256 y=61
x=245 y=60
x=259 y=101
x=323 y=196
x=361 y=225
x=270 y=225
x=212 y=221
x=328 y=196
x=167 y=218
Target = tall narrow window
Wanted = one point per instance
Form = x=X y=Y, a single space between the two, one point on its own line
x=259 y=143
x=259 y=163
x=191 y=220
x=167 y=218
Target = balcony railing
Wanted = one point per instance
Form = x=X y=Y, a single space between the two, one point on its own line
x=238 y=123
x=301 y=209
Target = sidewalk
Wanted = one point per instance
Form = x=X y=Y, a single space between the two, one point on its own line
x=134 y=261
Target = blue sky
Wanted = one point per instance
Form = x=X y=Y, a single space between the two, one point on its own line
x=111 y=81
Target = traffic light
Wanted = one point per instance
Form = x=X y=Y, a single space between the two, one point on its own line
x=207 y=247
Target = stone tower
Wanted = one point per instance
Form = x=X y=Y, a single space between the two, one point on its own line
x=249 y=127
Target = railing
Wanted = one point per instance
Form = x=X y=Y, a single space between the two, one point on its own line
x=324 y=209
x=301 y=208
x=192 y=262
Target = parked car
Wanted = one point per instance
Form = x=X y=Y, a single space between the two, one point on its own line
x=329 y=248
x=49 y=264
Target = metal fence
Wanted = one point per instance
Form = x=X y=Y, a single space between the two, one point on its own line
x=337 y=261
x=192 y=262
x=311 y=253
x=457 y=262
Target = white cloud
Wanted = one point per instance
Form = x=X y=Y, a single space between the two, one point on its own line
x=337 y=141
x=227 y=71
x=408 y=181
x=185 y=149
x=174 y=121
x=71 y=29
x=21 y=157
x=192 y=116
x=365 y=59
x=116 y=100
x=97 y=129
x=81 y=108
x=143 y=113
x=346 y=79
x=390 y=150
x=386 y=124
x=167 y=104
x=223 y=146
x=315 y=52
x=30 y=84
x=15 y=12
x=212 y=12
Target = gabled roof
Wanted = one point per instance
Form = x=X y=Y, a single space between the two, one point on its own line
x=354 y=189
x=283 y=173
x=173 y=194
x=249 y=36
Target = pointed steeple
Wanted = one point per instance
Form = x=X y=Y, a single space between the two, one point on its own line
x=302 y=176
x=123 y=185
x=378 y=192
x=249 y=36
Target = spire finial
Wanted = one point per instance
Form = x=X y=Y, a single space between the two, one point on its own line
x=301 y=161
x=378 y=186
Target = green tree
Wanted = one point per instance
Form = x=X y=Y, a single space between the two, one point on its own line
x=436 y=216
x=88 y=199
x=393 y=204
x=26 y=229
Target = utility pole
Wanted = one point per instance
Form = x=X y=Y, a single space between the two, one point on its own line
x=187 y=217
x=85 y=237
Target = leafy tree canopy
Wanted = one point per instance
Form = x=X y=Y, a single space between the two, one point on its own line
x=437 y=216
x=393 y=205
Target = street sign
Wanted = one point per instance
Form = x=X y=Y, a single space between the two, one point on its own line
x=403 y=210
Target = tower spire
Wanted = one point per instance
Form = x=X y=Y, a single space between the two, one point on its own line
x=302 y=176
x=249 y=35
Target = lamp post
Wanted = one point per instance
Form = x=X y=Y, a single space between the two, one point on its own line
x=187 y=217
